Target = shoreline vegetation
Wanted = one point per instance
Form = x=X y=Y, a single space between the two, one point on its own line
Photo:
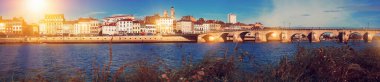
x=339 y=64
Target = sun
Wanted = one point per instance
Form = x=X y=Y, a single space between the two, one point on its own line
x=36 y=6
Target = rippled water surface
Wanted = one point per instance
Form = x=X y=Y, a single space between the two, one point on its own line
x=47 y=59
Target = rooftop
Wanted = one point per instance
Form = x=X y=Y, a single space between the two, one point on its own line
x=89 y=19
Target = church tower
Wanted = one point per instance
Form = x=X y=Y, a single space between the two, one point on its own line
x=172 y=13
x=165 y=13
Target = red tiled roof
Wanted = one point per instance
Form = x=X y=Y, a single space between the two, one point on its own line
x=126 y=20
x=111 y=24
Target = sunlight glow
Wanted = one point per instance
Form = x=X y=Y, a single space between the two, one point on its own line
x=211 y=38
x=273 y=34
x=36 y=6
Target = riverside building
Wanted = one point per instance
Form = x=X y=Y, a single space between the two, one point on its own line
x=13 y=26
x=52 y=24
x=186 y=27
x=165 y=24
x=86 y=26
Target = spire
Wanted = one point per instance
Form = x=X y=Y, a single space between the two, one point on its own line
x=165 y=13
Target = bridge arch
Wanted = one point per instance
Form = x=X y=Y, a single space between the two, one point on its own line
x=226 y=37
x=371 y=35
x=273 y=36
x=210 y=37
x=206 y=38
x=355 y=36
x=374 y=36
x=298 y=37
x=243 y=35
x=326 y=36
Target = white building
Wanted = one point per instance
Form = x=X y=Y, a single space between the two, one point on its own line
x=148 y=29
x=136 y=27
x=116 y=18
x=232 y=18
x=164 y=25
x=2 y=27
x=110 y=29
x=68 y=27
x=200 y=28
x=186 y=27
x=86 y=26
x=213 y=25
x=124 y=26
x=52 y=24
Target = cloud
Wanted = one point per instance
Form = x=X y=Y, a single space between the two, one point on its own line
x=331 y=11
x=305 y=15
x=292 y=12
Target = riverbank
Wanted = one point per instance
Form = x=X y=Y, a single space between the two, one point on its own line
x=101 y=39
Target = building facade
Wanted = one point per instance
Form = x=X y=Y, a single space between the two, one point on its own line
x=186 y=27
x=200 y=28
x=35 y=29
x=86 y=26
x=69 y=27
x=136 y=27
x=52 y=24
x=164 y=26
x=109 y=29
x=148 y=29
x=213 y=25
x=188 y=18
x=13 y=26
x=116 y=18
x=2 y=27
x=124 y=26
x=152 y=19
x=232 y=18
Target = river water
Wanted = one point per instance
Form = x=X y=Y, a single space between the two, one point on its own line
x=49 y=59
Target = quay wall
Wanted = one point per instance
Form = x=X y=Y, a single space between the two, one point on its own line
x=100 y=39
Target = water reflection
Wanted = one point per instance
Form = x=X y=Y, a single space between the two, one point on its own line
x=22 y=60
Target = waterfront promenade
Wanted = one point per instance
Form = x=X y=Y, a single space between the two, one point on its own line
x=101 y=39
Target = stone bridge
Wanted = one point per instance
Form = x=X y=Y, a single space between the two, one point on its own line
x=285 y=35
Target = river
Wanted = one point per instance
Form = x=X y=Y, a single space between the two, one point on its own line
x=20 y=60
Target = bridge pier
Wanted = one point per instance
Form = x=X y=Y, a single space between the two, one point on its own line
x=343 y=37
x=237 y=38
x=259 y=38
x=311 y=37
x=368 y=37
x=200 y=39
x=285 y=38
x=315 y=37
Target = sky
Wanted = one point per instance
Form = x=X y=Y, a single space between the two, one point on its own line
x=294 y=13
